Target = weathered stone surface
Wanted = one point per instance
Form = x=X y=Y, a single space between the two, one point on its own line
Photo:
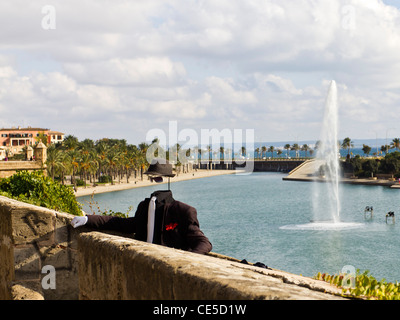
x=111 y=267
x=31 y=238
x=26 y=291
x=27 y=262
x=33 y=225
x=6 y=252
x=8 y=168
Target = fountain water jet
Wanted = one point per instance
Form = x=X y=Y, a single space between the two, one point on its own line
x=326 y=196
x=326 y=199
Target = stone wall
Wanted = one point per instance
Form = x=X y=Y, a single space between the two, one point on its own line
x=113 y=267
x=36 y=242
x=8 y=168
x=273 y=165
x=31 y=238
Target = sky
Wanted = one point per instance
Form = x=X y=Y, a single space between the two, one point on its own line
x=120 y=69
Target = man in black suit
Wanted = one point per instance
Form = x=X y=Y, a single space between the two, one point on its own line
x=159 y=219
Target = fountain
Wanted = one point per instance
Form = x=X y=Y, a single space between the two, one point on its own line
x=326 y=200
x=326 y=196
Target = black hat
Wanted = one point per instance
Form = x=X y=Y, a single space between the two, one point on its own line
x=160 y=168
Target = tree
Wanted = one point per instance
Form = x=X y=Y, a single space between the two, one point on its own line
x=87 y=163
x=111 y=159
x=287 y=148
x=271 y=149
x=395 y=143
x=41 y=137
x=222 y=153
x=305 y=148
x=55 y=161
x=370 y=167
x=384 y=149
x=263 y=150
x=296 y=148
x=366 y=149
x=243 y=151
x=391 y=163
x=347 y=144
x=70 y=142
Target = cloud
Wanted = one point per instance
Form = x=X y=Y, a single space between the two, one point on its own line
x=262 y=64
x=146 y=71
x=223 y=91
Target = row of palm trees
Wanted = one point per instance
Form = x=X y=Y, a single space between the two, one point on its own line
x=91 y=160
x=117 y=159
x=384 y=149
x=263 y=151
x=346 y=144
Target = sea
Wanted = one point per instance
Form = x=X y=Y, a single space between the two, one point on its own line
x=260 y=217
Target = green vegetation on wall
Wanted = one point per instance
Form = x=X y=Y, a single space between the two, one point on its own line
x=365 y=286
x=37 y=189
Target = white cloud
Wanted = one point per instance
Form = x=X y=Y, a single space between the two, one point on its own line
x=261 y=64
x=146 y=71
x=223 y=91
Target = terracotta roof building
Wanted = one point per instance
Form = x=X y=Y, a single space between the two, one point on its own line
x=16 y=138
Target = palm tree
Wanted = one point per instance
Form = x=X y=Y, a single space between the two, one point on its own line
x=395 y=143
x=263 y=150
x=287 y=148
x=55 y=161
x=102 y=148
x=305 y=148
x=384 y=149
x=70 y=142
x=110 y=160
x=87 y=163
x=271 y=149
x=222 y=152
x=243 y=151
x=73 y=156
x=296 y=148
x=347 y=144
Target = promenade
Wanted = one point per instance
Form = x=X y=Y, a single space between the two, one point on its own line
x=123 y=185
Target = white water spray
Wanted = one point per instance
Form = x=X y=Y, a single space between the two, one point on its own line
x=326 y=202
x=326 y=195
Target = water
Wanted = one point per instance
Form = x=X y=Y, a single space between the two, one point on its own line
x=327 y=207
x=254 y=217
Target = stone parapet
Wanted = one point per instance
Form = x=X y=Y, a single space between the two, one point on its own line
x=35 y=242
x=31 y=238
x=112 y=267
x=8 y=168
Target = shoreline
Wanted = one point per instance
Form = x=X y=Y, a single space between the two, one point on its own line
x=199 y=174
x=358 y=181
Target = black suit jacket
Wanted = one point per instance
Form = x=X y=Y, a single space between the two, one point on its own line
x=176 y=224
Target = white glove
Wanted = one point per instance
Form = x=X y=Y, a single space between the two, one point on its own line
x=79 y=221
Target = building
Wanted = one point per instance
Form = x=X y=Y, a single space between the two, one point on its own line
x=16 y=138
x=3 y=152
x=55 y=137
